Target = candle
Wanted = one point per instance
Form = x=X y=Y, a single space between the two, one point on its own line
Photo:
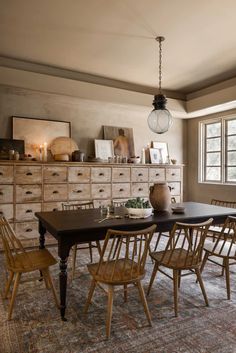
x=40 y=152
x=45 y=152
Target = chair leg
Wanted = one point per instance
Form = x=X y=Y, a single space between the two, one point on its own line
x=179 y=278
x=109 y=310
x=144 y=302
x=99 y=247
x=47 y=284
x=199 y=278
x=90 y=295
x=74 y=261
x=176 y=282
x=223 y=268
x=227 y=277
x=154 y=272
x=52 y=287
x=204 y=261
x=13 y=297
x=90 y=251
x=8 y=285
x=125 y=293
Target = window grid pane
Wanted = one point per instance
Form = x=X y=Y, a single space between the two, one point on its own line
x=230 y=151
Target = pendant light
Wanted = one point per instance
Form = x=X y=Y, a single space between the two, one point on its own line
x=159 y=120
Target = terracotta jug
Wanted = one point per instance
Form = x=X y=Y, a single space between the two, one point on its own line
x=160 y=197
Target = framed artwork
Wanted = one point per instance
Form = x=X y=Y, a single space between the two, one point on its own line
x=155 y=156
x=9 y=144
x=104 y=149
x=163 y=150
x=122 y=138
x=36 y=132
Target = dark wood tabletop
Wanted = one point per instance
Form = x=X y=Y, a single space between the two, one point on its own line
x=71 y=227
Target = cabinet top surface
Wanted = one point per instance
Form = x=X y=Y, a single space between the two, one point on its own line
x=88 y=164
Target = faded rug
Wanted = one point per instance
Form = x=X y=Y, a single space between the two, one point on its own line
x=36 y=326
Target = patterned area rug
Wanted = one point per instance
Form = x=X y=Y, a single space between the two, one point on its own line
x=36 y=326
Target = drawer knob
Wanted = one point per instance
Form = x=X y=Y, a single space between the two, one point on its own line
x=1 y=213
x=121 y=190
x=55 y=174
x=157 y=174
x=79 y=174
x=101 y=174
x=1 y=193
x=173 y=174
x=28 y=211
x=101 y=190
x=140 y=189
x=172 y=188
x=28 y=192
x=29 y=173
x=140 y=174
x=28 y=230
x=1 y=173
x=55 y=192
x=55 y=209
x=77 y=191
x=121 y=174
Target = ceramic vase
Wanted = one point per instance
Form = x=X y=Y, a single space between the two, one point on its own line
x=160 y=196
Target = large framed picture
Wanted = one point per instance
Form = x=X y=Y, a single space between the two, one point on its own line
x=122 y=138
x=36 y=132
x=163 y=151
x=104 y=149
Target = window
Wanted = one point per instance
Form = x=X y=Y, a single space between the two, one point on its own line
x=218 y=151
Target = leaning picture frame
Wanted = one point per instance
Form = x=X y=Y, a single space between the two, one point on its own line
x=163 y=151
x=104 y=149
x=155 y=156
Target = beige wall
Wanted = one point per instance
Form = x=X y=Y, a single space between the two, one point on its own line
x=87 y=118
x=198 y=191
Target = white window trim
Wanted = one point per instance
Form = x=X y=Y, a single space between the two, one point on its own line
x=201 y=150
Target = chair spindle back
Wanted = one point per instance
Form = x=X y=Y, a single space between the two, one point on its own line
x=225 y=244
x=77 y=206
x=231 y=204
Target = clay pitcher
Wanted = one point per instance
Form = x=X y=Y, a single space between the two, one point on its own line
x=160 y=197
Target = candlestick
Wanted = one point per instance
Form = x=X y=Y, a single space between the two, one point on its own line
x=45 y=152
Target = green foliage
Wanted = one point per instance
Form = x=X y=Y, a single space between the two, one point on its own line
x=137 y=203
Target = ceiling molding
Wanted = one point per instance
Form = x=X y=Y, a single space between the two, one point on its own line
x=18 y=64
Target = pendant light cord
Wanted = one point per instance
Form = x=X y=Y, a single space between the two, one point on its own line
x=160 y=63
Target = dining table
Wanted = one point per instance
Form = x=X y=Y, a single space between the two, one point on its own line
x=79 y=226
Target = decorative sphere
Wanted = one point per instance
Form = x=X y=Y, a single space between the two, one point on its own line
x=159 y=120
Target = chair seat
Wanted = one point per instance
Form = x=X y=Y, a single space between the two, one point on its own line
x=222 y=248
x=175 y=259
x=121 y=274
x=33 y=260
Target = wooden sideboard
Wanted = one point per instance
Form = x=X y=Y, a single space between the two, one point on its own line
x=29 y=187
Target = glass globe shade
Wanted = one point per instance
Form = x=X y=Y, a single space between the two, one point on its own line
x=159 y=120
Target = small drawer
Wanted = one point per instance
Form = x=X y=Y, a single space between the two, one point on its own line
x=6 y=174
x=100 y=175
x=25 y=212
x=174 y=188
x=6 y=193
x=79 y=191
x=139 y=189
x=28 y=193
x=55 y=174
x=139 y=174
x=79 y=174
x=101 y=191
x=28 y=174
x=173 y=174
x=156 y=174
x=121 y=190
x=7 y=211
x=121 y=175
x=27 y=230
x=55 y=192
x=52 y=206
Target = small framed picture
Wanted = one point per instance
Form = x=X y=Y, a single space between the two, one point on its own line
x=163 y=151
x=155 y=156
x=104 y=149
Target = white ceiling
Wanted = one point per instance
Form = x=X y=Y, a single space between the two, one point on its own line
x=115 y=38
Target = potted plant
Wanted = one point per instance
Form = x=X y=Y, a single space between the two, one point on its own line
x=138 y=208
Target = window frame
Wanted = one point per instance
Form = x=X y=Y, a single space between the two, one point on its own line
x=223 y=153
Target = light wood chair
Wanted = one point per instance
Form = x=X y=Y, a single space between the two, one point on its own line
x=90 y=245
x=20 y=261
x=183 y=251
x=126 y=267
x=224 y=247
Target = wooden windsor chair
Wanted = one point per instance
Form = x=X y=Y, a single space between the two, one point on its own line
x=126 y=267
x=224 y=247
x=19 y=261
x=90 y=245
x=183 y=251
